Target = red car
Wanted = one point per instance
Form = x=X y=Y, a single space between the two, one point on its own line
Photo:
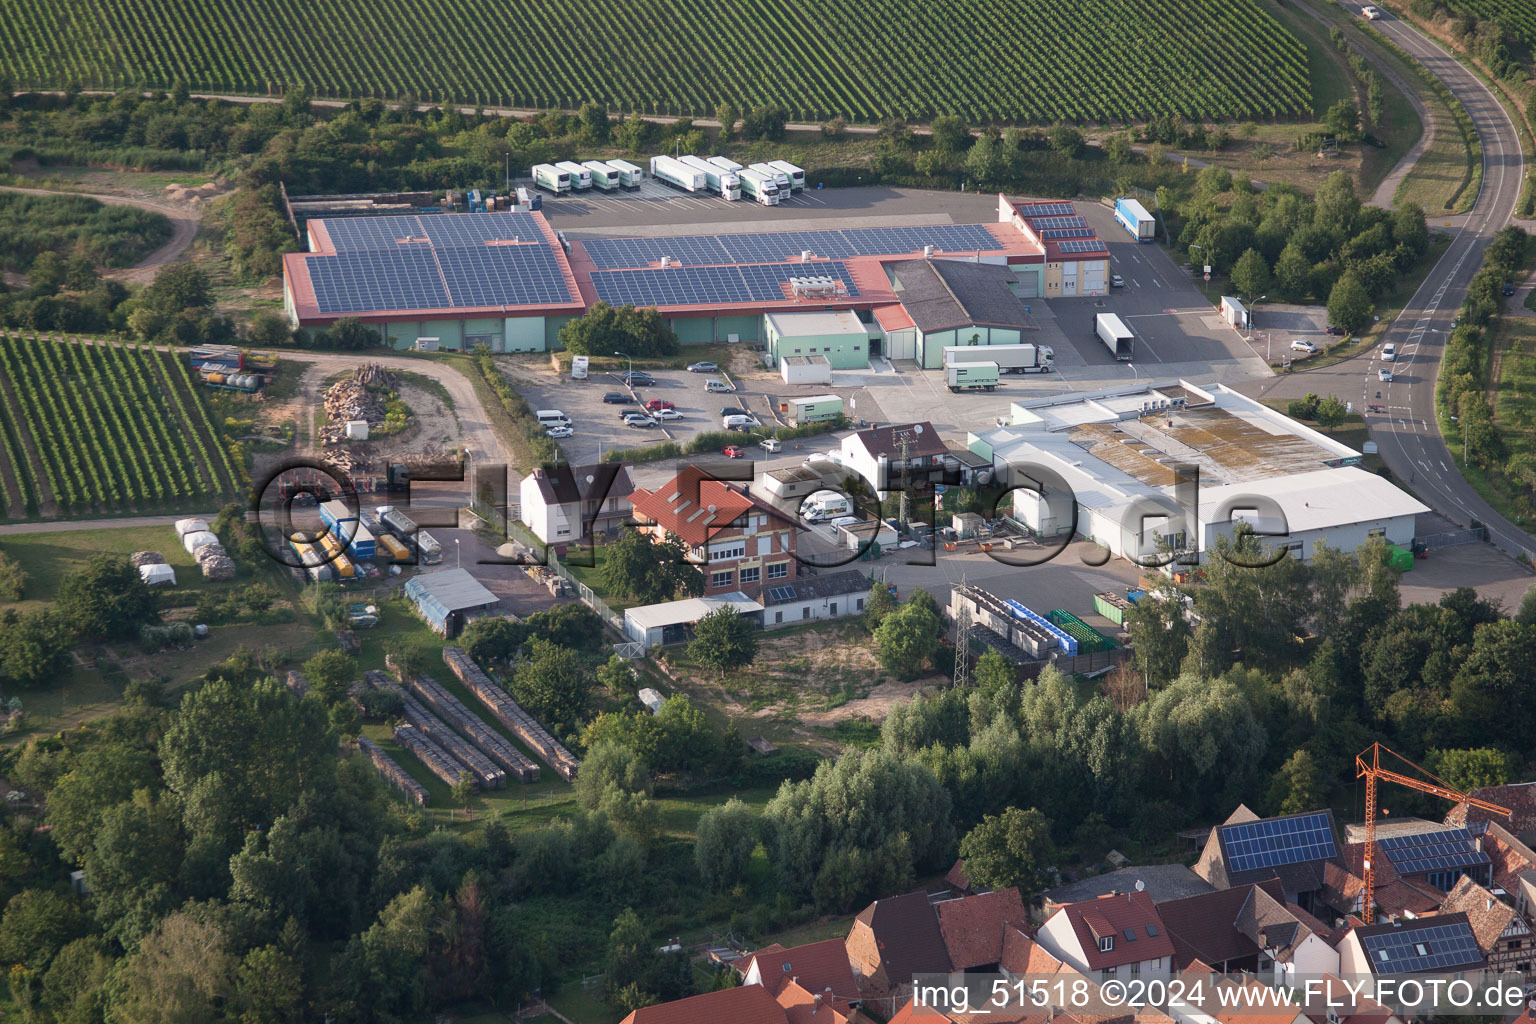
x=657 y=404
x=732 y=451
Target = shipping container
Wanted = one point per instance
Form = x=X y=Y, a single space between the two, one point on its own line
x=815 y=409
x=629 y=174
x=603 y=176
x=548 y=176
x=1117 y=337
x=581 y=178
x=972 y=376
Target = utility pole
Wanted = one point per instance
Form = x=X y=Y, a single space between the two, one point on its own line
x=903 y=445
x=963 y=639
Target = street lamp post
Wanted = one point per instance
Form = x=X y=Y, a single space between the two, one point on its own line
x=458 y=555
x=631 y=367
x=1135 y=374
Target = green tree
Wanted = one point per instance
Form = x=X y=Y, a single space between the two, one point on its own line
x=13 y=579
x=178 y=287
x=1298 y=785
x=606 y=329
x=73 y=987
x=351 y=334
x=907 y=638
x=552 y=683
x=1331 y=412
x=1160 y=637
x=1250 y=275
x=877 y=606
x=105 y=598
x=1473 y=768
x=1009 y=849
x=1500 y=665
x=182 y=973
x=1527 y=611
x=1065 y=139
x=329 y=673
x=647 y=571
x=727 y=114
x=1349 y=305
x=464 y=790
x=726 y=837
x=269 y=987
x=635 y=134
x=723 y=640
x=268 y=330
x=950 y=133
x=984 y=162
x=493 y=639
x=1293 y=272
x=1118 y=148
x=36 y=924
x=386 y=969
x=594 y=123
x=1343 y=119
x=34 y=648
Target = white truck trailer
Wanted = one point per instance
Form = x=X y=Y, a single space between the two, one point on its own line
x=778 y=177
x=629 y=174
x=1009 y=358
x=725 y=163
x=603 y=176
x=548 y=176
x=717 y=178
x=759 y=187
x=678 y=174
x=1117 y=337
x=796 y=174
x=581 y=178
x=972 y=376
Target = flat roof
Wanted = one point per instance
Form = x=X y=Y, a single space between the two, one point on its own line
x=815 y=398
x=677 y=613
x=1318 y=500
x=939 y=294
x=454 y=589
x=840 y=321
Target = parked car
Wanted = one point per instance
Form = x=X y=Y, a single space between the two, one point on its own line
x=668 y=414
x=1370 y=13
x=1509 y=287
x=657 y=404
x=1116 y=281
x=1302 y=345
x=1337 y=332
x=617 y=398
x=733 y=410
x=703 y=367
x=1389 y=352
x=770 y=444
x=719 y=386
x=638 y=419
x=1384 y=375
x=559 y=432
x=734 y=451
x=636 y=377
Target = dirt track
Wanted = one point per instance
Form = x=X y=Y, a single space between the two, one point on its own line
x=184 y=224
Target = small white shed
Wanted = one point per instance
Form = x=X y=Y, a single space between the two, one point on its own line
x=158 y=575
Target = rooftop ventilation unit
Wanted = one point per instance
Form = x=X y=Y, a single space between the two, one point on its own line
x=806 y=255
x=927 y=250
x=666 y=261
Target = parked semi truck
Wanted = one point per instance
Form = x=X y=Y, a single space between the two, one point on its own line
x=1009 y=358
x=725 y=163
x=972 y=376
x=717 y=178
x=550 y=177
x=603 y=176
x=629 y=174
x=796 y=175
x=581 y=178
x=759 y=187
x=1117 y=337
x=678 y=174
x=775 y=175
x=1134 y=217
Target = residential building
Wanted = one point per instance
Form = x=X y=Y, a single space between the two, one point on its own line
x=746 y=1004
x=879 y=453
x=1519 y=797
x=1396 y=897
x=894 y=939
x=1248 y=928
x=811 y=598
x=816 y=967
x=739 y=542
x=1215 y=1009
x=1161 y=882
x=1429 y=854
x=563 y=504
x=1443 y=945
x=1294 y=848
x=1116 y=935
x=1503 y=934
x=1335 y=1003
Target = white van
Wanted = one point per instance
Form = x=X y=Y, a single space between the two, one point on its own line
x=738 y=422
x=825 y=505
x=579 y=367
x=552 y=418
x=718 y=386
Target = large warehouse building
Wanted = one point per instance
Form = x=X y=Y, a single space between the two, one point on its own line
x=1146 y=466
x=505 y=280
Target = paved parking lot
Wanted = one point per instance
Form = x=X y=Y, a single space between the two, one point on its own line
x=1277 y=325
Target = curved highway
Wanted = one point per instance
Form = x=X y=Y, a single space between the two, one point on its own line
x=1405 y=427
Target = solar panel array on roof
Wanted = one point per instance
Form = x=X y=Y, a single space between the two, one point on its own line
x=480 y=260
x=1050 y=223
x=777 y=246
x=1047 y=210
x=1271 y=843
x=1442 y=849
x=1413 y=950
x=1092 y=245
x=690 y=286
x=1067 y=233
x=781 y=594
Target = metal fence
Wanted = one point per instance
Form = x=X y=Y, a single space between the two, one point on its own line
x=588 y=597
x=1454 y=537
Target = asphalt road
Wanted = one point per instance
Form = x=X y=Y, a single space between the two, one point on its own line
x=1406 y=429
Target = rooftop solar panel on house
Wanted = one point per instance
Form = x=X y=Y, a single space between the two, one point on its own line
x=1252 y=845
x=781 y=594
x=1415 y=950
x=1049 y=223
x=1440 y=850
x=1047 y=210
x=362 y=234
x=1093 y=245
x=1067 y=233
x=482 y=228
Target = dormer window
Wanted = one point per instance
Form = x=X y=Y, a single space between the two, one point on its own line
x=1106 y=943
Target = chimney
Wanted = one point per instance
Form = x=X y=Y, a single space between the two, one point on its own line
x=816 y=1002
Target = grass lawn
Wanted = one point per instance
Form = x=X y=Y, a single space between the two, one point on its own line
x=47 y=556
x=592 y=576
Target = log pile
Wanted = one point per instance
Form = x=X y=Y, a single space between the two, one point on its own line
x=356 y=398
x=511 y=714
x=438 y=761
x=487 y=774
x=396 y=776
x=453 y=711
x=141 y=558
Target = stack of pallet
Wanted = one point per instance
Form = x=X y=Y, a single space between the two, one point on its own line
x=438 y=761
x=511 y=714
x=453 y=711
x=486 y=773
x=396 y=776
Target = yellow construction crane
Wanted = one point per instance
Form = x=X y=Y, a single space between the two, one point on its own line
x=1373 y=772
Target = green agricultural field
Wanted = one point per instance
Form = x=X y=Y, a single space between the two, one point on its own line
x=985 y=60
x=102 y=428
x=1517 y=17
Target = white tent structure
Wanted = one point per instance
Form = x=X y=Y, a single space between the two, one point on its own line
x=158 y=574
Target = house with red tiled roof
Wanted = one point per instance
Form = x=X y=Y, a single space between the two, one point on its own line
x=1503 y=934
x=1248 y=928
x=748 y=1004
x=741 y=543
x=1519 y=797
x=817 y=967
x=1344 y=888
x=1116 y=935
x=1233 y=1008
x=1331 y=1001
x=894 y=939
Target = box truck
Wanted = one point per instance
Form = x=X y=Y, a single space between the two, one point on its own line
x=603 y=176
x=548 y=176
x=795 y=174
x=773 y=174
x=678 y=174
x=581 y=178
x=759 y=187
x=1138 y=223
x=972 y=376
x=1117 y=337
x=629 y=174
x=717 y=178
x=1009 y=358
